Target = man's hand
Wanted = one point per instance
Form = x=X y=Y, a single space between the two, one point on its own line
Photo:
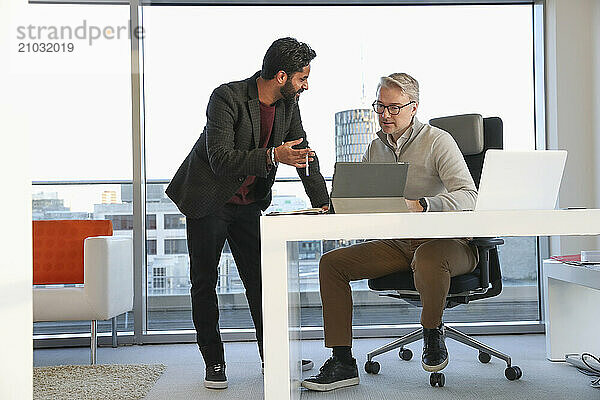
x=296 y=158
x=414 y=205
x=325 y=208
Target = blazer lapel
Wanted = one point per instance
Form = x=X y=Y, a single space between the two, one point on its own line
x=254 y=107
x=278 y=124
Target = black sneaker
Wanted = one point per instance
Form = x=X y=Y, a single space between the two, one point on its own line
x=334 y=374
x=215 y=377
x=435 y=354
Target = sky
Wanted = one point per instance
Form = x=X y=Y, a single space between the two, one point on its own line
x=466 y=59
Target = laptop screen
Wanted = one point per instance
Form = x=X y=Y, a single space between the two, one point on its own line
x=352 y=180
x=520 y=180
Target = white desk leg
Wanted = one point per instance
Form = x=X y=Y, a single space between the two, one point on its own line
x=280 y=380
x=294 y=323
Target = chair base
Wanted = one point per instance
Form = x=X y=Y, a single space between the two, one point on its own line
x=450 y=333
x=485 y=353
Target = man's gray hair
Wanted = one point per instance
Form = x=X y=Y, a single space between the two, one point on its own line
x=405 y=82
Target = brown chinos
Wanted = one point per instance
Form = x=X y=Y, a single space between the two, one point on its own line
x=433 y=262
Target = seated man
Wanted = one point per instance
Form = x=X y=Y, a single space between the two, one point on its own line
x=438 y=180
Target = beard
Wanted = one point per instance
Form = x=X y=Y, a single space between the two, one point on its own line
x=288 y=92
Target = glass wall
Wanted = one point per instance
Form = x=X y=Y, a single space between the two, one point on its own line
x=81 y=121
x=464 y=57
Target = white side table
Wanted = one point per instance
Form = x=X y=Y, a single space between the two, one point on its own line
x=572 y=309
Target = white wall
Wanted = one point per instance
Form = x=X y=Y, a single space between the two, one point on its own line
x=573 y=106
x=596 y=98
x=16 y=352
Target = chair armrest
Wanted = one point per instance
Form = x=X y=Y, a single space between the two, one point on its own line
x=484 y=245
x=488 y=243
x=108 y=275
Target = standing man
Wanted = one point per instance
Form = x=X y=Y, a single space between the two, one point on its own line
x=225 y=182
x=438 y=180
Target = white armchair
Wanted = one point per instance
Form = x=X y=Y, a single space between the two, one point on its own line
x=107 y=279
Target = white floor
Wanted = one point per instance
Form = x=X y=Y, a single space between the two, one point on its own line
x=466 y=378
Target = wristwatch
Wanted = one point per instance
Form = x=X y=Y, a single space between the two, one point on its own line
x=423 y=203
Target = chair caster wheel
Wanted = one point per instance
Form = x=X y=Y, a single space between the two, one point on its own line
x=484 y=357
x=513 y=373
x=437 y=378
x=372 y=367
x=405 y=354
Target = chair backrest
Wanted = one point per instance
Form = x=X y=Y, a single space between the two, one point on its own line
x=474 y=136
x=58 y=249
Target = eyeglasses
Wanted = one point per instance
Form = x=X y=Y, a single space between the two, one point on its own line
x=393 y=109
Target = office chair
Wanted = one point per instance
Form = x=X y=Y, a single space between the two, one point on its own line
x=474 y=135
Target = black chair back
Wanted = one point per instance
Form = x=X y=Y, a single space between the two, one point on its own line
x=493 y=138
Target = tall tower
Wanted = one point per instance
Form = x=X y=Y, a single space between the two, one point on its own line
x=354 y=130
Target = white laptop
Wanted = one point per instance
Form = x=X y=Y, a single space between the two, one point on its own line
x=520 y=180
x=369 y=187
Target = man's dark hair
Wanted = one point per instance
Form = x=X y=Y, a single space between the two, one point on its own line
x=288 y=55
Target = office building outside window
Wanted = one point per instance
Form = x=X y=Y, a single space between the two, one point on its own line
x=174 y=221
x=354 y=130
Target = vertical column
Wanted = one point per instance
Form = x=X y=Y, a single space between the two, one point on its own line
x=139 y=170
x=16 y=311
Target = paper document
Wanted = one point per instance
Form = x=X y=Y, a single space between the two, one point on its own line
x=575 y=260
x=306 y=211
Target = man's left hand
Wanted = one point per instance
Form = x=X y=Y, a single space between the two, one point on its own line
x=325 y=208
x=414 y=205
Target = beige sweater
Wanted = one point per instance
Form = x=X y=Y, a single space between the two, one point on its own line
x=437 y=169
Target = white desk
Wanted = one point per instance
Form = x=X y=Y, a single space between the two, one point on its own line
x=572 y=305
x=280 y=289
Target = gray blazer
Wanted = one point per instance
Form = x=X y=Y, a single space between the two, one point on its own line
x=227 y=152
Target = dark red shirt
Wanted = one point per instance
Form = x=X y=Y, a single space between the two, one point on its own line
x=245 y=194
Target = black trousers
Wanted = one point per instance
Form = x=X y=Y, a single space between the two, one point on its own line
x=206 y=237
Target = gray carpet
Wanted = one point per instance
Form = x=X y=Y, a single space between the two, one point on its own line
x=466 y=378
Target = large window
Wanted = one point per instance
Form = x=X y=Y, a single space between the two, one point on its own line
x=80 y=119
x=464 y=57
x=468 y=59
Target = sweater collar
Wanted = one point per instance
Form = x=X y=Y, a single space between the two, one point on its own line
x=414 y=129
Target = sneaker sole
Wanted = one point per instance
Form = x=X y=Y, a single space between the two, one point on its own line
x=215 y=385
x=435 y=368
x=325 y=387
